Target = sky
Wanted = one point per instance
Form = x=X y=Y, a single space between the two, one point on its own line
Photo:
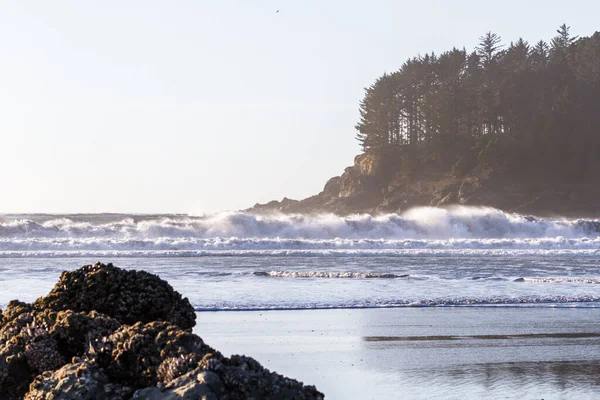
x=195 y=106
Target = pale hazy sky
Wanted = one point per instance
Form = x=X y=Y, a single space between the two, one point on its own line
x=197 y=106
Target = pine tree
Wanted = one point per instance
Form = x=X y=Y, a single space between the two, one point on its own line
x=564 y=39
x=488 y=48
x=522 y=108
x=539 y=54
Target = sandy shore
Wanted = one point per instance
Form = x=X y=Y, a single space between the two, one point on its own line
x=422 y=353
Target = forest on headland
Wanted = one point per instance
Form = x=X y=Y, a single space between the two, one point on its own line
x=514 y=126
x=531 y=108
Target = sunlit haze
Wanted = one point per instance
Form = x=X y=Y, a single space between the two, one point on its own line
x=200 y=106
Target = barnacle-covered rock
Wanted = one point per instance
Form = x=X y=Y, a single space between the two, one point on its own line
x=133 y=353
x=32 y=342
x=128 y=296
x=218 y=377
x=15 y=373
x=43 y=354
x=194 y=385
x=173 y=367
x=13 y=310
x=244 y=378
x=81 y=380
x=75 y=331
x=63 y=347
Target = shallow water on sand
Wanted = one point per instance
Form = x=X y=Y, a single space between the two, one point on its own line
x=422 y=353
x=258 y=282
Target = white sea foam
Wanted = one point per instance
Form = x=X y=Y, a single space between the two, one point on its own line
x=424 y=223
x=462 y=256
x=562 y=280
x=95 y=254
x=329 y=274
x=586 y=301
x=434 y=229
x=190 y=246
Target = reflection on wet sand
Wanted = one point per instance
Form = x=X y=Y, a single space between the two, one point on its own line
x=423 y=353
x=575 y=335
x=556 y=379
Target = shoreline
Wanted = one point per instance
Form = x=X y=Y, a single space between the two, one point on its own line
x=540 y=305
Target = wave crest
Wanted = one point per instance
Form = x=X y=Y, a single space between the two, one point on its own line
x=426 y=227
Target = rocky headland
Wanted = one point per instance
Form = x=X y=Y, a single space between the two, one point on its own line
x=377 y=184
x=510 y=126
x=108 y=333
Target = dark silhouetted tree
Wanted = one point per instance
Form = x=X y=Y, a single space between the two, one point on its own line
x=524 y=107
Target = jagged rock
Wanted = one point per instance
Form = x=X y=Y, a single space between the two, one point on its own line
x=196 y=384
x=13 y=310
x=48 y=352
x=244 y=378
x=332 y=187
x=235 y=378
x=173 y=367
x=32 y=342
x=44 y=355
x=127 y=296
x=78 y=381
x=15 y=373
x=15 y=370
x=393 y=182
x=164 y=361
x=133 y=354
x=369 y=163
x=72 y=331
x=75 y=331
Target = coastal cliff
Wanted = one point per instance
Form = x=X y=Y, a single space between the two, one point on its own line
x=513 y=127
x=375 y=184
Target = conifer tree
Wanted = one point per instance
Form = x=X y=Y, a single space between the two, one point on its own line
x=523 y=107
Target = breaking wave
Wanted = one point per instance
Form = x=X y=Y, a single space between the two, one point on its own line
x=432 y=229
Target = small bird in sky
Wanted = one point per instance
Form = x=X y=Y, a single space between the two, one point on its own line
x=277 y=12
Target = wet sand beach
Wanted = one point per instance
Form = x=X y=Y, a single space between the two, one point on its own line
x=422 y=353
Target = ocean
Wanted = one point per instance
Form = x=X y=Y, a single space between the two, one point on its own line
x=308 y=272
x=237 y=261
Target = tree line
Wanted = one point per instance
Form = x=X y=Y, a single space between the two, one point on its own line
x=534 y=108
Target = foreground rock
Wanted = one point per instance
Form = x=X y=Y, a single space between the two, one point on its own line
x=127 y=296
x=72 y=344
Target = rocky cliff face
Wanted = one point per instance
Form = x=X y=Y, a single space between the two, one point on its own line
x=374 y=185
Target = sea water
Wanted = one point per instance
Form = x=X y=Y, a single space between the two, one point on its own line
x=461 y=256
x=461 y=303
